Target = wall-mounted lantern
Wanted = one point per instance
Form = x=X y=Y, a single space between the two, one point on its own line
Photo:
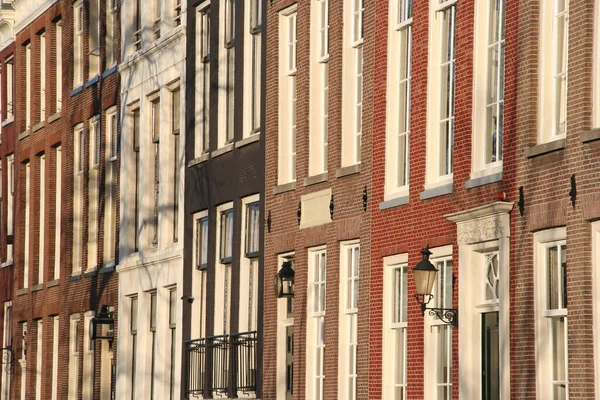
x=105 y=317
x=425 y=273
x=284 y=280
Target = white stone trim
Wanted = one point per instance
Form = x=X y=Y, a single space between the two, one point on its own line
x=311 y=327
x=283 y=322
x=595 y=227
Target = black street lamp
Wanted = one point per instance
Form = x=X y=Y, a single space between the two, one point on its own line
x=284 y=280
x=424 y=273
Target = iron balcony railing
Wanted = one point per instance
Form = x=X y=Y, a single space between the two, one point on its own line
x=211 y=354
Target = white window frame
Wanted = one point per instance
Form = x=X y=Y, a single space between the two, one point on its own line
x=23 y=360
x=55 y=330
x=43 y=76
x=111 y=33
x=488 y=92
x=315 y=344
x=39 y=349
x=10 y=205
x=287 y=96
x=248 y=287
x=397 y=165
x=87 y=385
x=79 y=165
x=157 y=18
x=133 y=344
x=199 y=279
x=436 y=175
x=94 y=38
x=353 y=92
x=137 y=25
x=42 y=218
x=544 y=316
x=202 y=90
x=78 y=27
x=73 y=356
x=93 y=186
x=348 y=319
x=59 y=66
x=7 y=342
x=223 y=276
x=28 y=86
x=226 y=74
x=595 y=230
x=173 y=347
x=252 y=67
x=57 y=210
x=549 y=104
x=394 y=358
x=10 y=88
x=285 y=321
x=596 y=80
x=110 y=186
x=27 y=239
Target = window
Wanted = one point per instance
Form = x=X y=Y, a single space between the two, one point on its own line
x=319 y=106
x=23 y=360
x=58 y=211
x=252 y=229
x=248 y=298
x=79 y=149
x=396 y=326
x=137 y=192
x=175 y=130
x=59 y=66
x=43 y=76
x=252 y=68
x=440 y=135
x=78 y=24
x=202 y=128
x=353 y=91
x=177 y=12
x=442 y=332
x=111 y=33
x=28 y=86
x=315 y=348
x=10 y=220
x=157 y=18
x=110 y=186
x=488 y=104
x=55 y=327
x=10 y=82
x=152 y=342
x=173 y=340
x=95 y=142
x=26 y=255
x=553 y=76
x=285 y=340
x=155 y=131
x=137 y=24
x=6 y=342
x=39 y=348
x=399 y=78
x=73 y=356
x=94 y=38
x=550 y=261
x=226 y=235
x=133 y=322
x=227 y=77
x=222 y=304
x=42 y=220
x=348 y=341
x=201 y=242
x=287 y=96
x=87 y=388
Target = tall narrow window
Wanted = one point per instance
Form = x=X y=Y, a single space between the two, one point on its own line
x=111 y=33
x=157 y=18
x=133 y=326
x=316 y=329
x=137 y=24
x=43 y=76
x=199 y=277
x=249 y=267
x=78 y=24
x=55 y=327
x=73 y=356
x=287 y=90
x=203 y=82
x=28 y=86
x=173 y=340
x=95 y=135
x=94 y=38
x=447 y=75
x=152 y=342
x=229 y=78
x=42 y=220
x=155 y=131
x=39 y=351
x=79 y=158
x=202 y=243
x=495 y=87
x=110 y=186
x=10 y=194
x=399 y=77
x=396 y=322
x=7 y=343
x=252 y=69
x=357 y=20
x=442 y=331
x=23 y=361
x=59 y=66
x=26 y=241
x=137 y=192
x=350 y=260
x=223 y=276
x=10 y=84
x=87 y=385
x=177 y=12
x=57 y=211
x=175 y=130
x=226 y=235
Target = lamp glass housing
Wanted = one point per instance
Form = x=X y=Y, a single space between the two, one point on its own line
x=424 y=274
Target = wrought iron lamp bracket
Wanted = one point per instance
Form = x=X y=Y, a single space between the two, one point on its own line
x=446 y=315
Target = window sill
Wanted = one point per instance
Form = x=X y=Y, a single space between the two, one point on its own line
x=109 y=71
x=22 y=291
x=24 y=134
x=286 y=187
x=38 y=126
x=108 y=268
x=436 y=191
x=545 y=148
x=95 y=79
x=590 y=136
x=8 y=263
x=52 y=283
x=198 y=160
x=483 y=180
x=349 y=170
x=398 y=201
x=90 y=272
x=313 y=180
x=246 y=141
x=77 y=90
x=225 y=149
x=8 y=121
x=75 y=277
x=37 y=288
x=54 y=117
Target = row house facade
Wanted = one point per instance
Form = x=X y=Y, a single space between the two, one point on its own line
x=150 y=269
x=224 y=199
x=319 y=135
x=66 y=161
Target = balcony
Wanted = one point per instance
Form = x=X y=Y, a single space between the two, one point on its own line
x=212 y=368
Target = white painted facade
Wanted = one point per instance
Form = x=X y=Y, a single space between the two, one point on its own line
x=151 y=75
